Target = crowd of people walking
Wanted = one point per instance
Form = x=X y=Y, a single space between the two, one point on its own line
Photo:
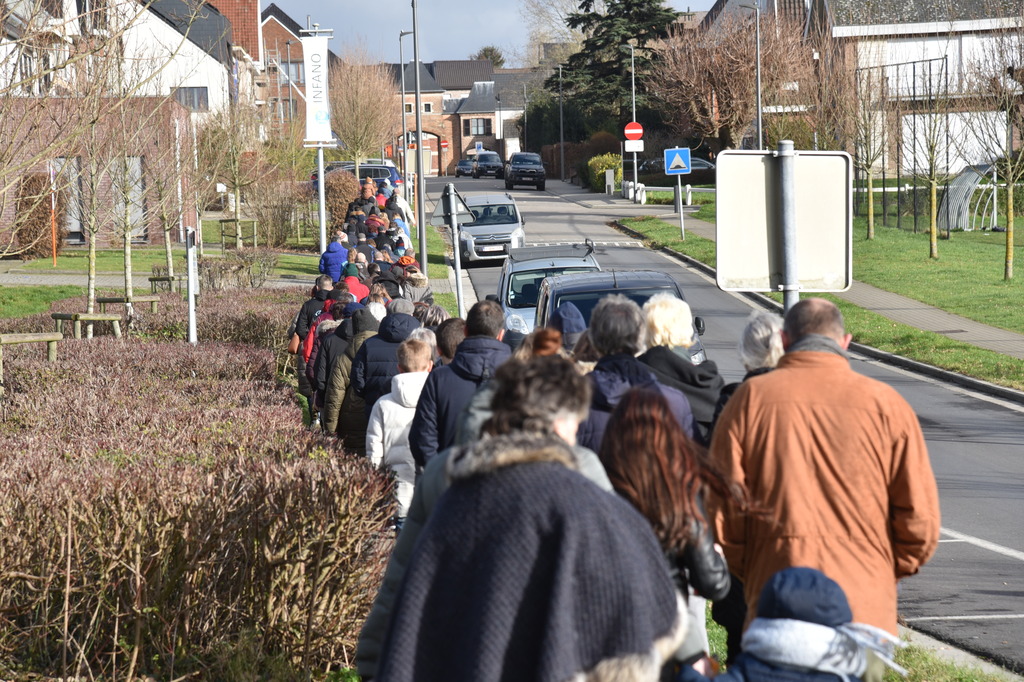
x=564 y=507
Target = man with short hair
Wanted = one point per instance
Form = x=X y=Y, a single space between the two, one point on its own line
x=449 y=389
x=839 y=462
x=450 y=334
x=617 y=332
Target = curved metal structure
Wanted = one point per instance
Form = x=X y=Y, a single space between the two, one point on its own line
x=955 y=210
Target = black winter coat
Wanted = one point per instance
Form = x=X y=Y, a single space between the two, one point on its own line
x=701 y=384
x=377 y=361
x=310 y=309
x=332 y=347
x=448 y=390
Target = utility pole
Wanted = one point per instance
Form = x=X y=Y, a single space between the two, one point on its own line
x=561 y=129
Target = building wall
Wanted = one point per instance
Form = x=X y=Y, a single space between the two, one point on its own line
x=244 y=16
x=288 y=103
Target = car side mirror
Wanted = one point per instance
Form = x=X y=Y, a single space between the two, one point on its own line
x=698 y=322
x=491 y=297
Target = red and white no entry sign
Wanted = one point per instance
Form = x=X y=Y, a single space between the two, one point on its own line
x=634 y=131
x=444 y=144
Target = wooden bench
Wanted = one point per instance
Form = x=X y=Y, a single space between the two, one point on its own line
x=78 y=318
x=50 y=339
x=157 y=280
x=152 y=300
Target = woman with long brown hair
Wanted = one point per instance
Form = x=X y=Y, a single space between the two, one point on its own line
x=665 y=475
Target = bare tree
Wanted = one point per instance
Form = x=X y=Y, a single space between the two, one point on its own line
x=548 y=30
x=361 y=113
x=996 y=101
x=706 y=81
x=870 y=128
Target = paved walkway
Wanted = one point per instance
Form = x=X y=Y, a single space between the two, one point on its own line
x=893 y=306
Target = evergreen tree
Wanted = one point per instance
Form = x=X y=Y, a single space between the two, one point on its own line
x=598 y=77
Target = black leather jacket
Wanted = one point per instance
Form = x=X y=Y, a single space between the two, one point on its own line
x=700 y=566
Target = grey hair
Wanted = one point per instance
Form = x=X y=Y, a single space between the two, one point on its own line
x=427 y=336
x=761 y=343
x=617 y=326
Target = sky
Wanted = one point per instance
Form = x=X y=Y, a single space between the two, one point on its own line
x=449 y=29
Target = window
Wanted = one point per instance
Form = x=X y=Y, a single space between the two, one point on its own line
x=68 y=177
x=292 y=72
x=428 y=107
x=408 y=108
x=193 y=99
x=476 y=126
x=92 y=15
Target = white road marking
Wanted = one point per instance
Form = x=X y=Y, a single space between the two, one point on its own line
x=984 y=544
x=1008 y=616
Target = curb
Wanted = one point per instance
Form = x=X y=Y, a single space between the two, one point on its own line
x=1001 y=392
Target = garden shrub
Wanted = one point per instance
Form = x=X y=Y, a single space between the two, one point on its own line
x=596 y=167
x=163 y=501
x=33 y=226
x=340 y=189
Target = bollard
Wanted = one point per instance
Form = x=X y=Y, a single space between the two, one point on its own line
x=689 y=195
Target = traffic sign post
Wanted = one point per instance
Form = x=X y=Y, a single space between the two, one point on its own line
x=634 y=131
x=677 y=163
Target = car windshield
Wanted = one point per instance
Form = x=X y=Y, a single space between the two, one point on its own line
x=489 y=158
x=586 y=300
x=525 y=158
x=524 y=286
x=494 y=214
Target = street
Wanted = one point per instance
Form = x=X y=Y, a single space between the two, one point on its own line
x=971 y=593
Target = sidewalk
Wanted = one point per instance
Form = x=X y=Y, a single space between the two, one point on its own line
x=893 y=306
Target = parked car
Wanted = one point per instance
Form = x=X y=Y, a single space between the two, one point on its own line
x=524 y=168
x=488 y=163
x=585 y=289
x=464 y=167
x=376 y=172
x=702 y=172
x=523 y=270
x=328 y=167
x=497 y=227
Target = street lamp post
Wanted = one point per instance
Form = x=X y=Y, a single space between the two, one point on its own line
x=421 y=205
x=526 y=115
x=757 y=32
x=405 y=132
x=561 y=129
x=500 y=132
x=632 y=69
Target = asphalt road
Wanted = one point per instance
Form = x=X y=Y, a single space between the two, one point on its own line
x=971 y=593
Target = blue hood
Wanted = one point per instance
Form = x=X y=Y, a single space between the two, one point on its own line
x=477 y=357
x=396 y=327
x=614 y=375
x=335 y=247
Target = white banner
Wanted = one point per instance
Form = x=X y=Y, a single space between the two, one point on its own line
x=318 y=108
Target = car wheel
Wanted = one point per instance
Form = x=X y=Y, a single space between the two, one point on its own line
x=540 y=186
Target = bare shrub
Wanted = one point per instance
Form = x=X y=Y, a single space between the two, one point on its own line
x=165 y=505
x=32 y=235
x=340 y=189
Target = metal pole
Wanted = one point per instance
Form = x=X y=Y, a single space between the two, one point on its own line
x=177 y=170
x=632 y=68
x=421 y=206
x=405 y=132
x=787 y=206
x=195 y=190
x=321 y=181
x=526 y=115
x=757 y=31
x=453 y=222
x=679 y=205
x=561 y=129
x=190 y=254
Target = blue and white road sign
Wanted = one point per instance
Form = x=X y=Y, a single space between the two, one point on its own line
x=677 y=161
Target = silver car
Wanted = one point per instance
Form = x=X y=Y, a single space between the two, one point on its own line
x=496 y=229
x=526 y=268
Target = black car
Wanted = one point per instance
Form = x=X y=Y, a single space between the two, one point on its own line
x=488 y=163
x=585 y=289
x=524 y=168
x=464 y=167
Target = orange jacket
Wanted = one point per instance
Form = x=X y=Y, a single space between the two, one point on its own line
x=840 y=462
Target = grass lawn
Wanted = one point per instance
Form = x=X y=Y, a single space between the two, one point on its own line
x=880 y=332
x=22 y=301
x=110 y=260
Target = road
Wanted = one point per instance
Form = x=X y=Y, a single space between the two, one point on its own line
x=971 y=593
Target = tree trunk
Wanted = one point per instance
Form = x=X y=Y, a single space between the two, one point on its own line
x=129 y=310
x=238 y=218
x=933 y=219
x=871 y=204
x=1008 y=266
x=90 y=305
x=167 y=248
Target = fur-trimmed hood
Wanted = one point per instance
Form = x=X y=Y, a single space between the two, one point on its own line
x=416 y=279
x=490 y=453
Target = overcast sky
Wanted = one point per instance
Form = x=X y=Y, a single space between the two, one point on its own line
x=449 y=29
